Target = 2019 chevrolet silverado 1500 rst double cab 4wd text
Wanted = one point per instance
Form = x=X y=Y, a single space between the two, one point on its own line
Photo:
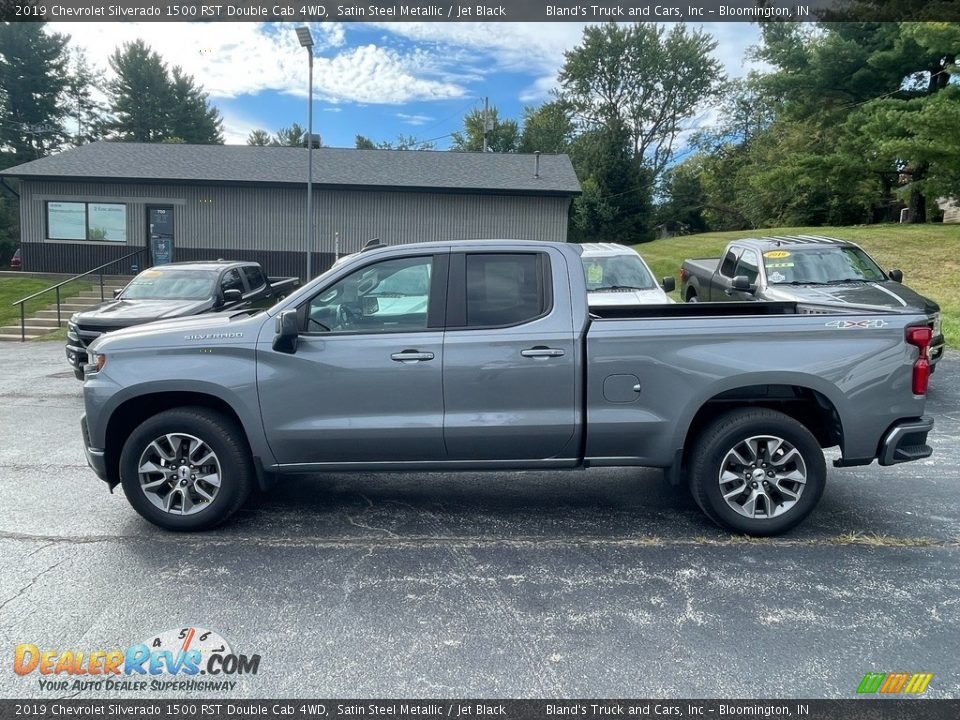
x=483 y=355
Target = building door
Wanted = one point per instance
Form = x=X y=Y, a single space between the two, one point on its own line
x=160 y=234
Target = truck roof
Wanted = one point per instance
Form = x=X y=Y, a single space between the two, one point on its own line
x=606 y=248
x=204 y=264
x=773 y=241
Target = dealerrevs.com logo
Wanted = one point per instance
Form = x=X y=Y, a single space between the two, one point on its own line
x=190 y=658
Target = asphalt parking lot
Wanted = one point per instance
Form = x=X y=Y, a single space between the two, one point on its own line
x=590 y=584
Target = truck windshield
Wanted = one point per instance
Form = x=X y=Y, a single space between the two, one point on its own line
x=820 y=266
x=171 y=284
x=616 y=272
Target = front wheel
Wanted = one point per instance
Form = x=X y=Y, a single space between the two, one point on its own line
x=757 y=471
x=186 y=469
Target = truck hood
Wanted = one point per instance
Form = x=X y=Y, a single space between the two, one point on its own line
x=124 y=313
x=215 y=328
x=892 y=295
x=607 y=298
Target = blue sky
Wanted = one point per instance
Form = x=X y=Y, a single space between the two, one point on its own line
x=378 y=80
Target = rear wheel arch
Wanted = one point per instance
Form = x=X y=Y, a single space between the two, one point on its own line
x=808 y=406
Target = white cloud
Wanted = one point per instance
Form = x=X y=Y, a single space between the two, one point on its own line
x=414 y=119
x=374 y=74
x=234 y=59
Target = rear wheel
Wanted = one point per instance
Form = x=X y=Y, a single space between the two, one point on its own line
x=757 y=471
x=186 y=469
x=692 y=297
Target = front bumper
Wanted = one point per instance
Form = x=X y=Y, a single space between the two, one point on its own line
x=96 y=457
x=906 y=441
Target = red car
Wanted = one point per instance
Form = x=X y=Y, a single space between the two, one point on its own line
x=15 y=263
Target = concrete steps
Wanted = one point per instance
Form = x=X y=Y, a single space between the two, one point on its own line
x=43 y=322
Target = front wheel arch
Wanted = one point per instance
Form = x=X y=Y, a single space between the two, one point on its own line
x=133 y=411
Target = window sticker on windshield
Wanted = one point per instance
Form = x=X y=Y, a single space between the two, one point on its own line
x=594 y=273
x=150 y=273
x=777 y=254
x=777 y=277
x=779 y=265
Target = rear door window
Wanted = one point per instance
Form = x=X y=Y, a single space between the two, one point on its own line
x=505 y=289
x=255 y=277
x=728 y=264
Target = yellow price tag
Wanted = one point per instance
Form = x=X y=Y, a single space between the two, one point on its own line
x=777 y=254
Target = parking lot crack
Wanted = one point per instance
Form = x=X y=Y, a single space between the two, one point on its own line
x=32 y=582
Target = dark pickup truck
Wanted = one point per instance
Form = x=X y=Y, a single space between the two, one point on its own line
x=173 y=291
x=805 y=268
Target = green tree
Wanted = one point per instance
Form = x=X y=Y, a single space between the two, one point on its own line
x=258 y=137
x=502 y=135
x=85 y=112
x=192 y=117
x=616 y=207
x=403 y=142
x=141 y=94
x=33 y=79
x=685 y=199
x=547 y=128
x=292 y=136
x=644 y=79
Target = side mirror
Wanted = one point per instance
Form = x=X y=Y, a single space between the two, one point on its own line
x=116 y=293
x=896 y=275
x=742 y=283
x=288 y=332
x=668 y=284
x=232 y=295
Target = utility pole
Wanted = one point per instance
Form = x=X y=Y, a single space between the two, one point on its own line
x=486 y=121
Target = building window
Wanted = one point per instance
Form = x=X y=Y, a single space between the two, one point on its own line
x=86 y=221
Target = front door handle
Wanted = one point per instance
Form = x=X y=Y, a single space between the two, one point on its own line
x=542 y=352
x=410 y=356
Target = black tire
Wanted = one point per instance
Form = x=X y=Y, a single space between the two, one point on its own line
x=78 y=374
x=724 y=434
x=223 y=436
x=692 y=297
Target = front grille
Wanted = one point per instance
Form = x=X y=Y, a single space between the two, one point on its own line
x=86 y=334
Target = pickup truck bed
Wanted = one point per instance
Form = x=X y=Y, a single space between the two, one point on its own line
x=484 y=355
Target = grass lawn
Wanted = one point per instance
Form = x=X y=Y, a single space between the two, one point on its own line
x=14 y=288
x=929 y=256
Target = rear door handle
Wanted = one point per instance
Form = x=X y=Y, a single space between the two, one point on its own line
x=410 y=356
x=542 y=352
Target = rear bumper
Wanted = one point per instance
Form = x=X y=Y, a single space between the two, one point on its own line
x=936 y=349
x=96 y=457
x=906 y=441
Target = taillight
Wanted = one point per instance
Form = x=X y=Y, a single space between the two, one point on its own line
x=920 y=337
x=684 y=274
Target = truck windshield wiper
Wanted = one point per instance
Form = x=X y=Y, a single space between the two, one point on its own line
x=619 y=287
x=846 y=280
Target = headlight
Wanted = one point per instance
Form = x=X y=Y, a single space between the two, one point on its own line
x=95 y=363
x=936 y=325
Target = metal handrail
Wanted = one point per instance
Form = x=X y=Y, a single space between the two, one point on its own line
x=99 y=269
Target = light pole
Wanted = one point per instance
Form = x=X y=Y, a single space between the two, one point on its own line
x=306 y=40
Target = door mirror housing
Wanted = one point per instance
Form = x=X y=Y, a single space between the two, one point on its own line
x=288 y=332
x=232 y=295
x=896 y=275
x=668 y=284
x=742 y=283
x=116 y=293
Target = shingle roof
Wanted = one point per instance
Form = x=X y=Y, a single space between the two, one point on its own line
x=335 y=167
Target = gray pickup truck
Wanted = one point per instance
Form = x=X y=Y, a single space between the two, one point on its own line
x=483 y=355
x=805 y=268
